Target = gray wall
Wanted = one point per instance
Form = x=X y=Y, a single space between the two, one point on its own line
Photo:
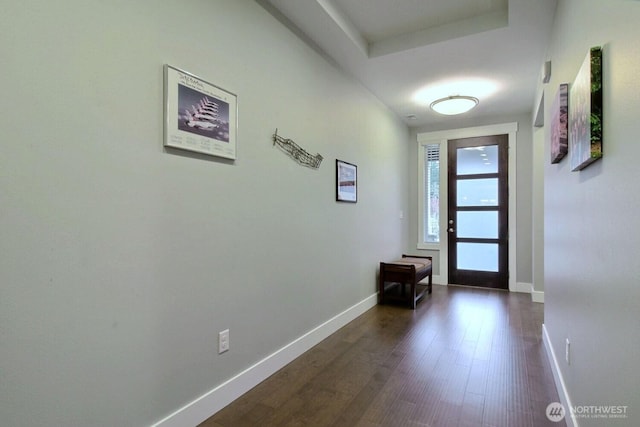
x=523 y=188
x=121 y=262
x=592 y=226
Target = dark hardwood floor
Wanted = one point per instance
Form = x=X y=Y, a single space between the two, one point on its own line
x=464 y=357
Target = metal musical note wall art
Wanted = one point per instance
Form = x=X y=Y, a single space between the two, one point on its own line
x=296 y=152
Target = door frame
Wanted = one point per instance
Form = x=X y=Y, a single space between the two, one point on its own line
x=479 y=278
x=441 y=137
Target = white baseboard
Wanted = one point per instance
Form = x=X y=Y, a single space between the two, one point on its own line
x=524 y=288
x=559 y=381
x=213 y=401
x=537 y=296
x=527 y=288
x=438 y=280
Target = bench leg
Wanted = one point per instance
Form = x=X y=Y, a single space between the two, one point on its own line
x=412 y=296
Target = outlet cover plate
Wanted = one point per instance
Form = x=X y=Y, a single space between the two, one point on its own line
x=223 y=341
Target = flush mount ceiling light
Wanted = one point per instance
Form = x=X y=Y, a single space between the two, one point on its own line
x=452 y=105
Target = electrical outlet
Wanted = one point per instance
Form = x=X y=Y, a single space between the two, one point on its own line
x=566 y=352
x=223 y=341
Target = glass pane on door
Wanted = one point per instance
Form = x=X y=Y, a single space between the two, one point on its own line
x=477 y=160
x=477 y=224
x=477 y=192
x=478 y=256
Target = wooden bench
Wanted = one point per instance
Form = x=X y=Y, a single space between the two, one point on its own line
x=399 y=280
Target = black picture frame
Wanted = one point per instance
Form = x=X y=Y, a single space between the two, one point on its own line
x=346 y=182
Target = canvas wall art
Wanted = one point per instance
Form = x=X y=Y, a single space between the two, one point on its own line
x=585 y=112
x=560 y=124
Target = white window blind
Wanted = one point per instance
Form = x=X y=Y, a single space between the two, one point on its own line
x=431 y=219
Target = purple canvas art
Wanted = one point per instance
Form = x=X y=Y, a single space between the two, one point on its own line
x=559 y=124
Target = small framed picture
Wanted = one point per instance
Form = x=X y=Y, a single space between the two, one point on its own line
x=346 y=182
x=198 y=115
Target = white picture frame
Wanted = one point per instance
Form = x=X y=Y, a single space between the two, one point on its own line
x=199 y=116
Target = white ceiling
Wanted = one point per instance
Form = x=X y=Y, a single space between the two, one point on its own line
x=491 y=49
